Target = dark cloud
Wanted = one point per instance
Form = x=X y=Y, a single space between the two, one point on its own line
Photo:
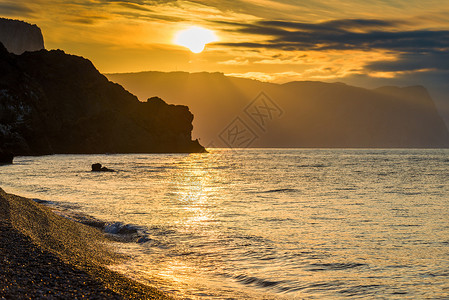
x=416 y=50
x=84 y=21
x=333 y=25
x=14 y=9
x=432 y=60
x=341 y=35
x=88 y=20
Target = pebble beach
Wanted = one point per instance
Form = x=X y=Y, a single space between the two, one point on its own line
x=46 y=256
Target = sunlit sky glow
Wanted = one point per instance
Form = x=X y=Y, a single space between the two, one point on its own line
x=195 y=38
x=356 y=41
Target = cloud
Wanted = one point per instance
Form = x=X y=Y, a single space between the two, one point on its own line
x=14 y=9
x=278 y=59
x=341 y=35
x=434 y=60
x=135 y=6
x=311 y=9
x=237 y=61
x=83 y=21
x=414 y=49
x=332 y=25
x=139 y=2
x=260 y=8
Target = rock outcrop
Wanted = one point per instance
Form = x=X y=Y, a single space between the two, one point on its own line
x=18 y=36
x=52 y=102
x=99 y=168
x=6 y=158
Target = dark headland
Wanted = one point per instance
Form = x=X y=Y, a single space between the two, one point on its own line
x=55 y=103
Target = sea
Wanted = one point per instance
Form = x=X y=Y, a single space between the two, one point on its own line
x=262 y=223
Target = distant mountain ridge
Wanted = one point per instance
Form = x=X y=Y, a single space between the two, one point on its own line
x=18 y=36
x=55 y=103
x=302 y=114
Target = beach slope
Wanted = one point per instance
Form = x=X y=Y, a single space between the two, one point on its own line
x=45 y=255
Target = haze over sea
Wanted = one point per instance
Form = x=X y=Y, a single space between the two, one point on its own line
x=264 y=223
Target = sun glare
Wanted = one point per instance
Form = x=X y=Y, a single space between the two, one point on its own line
x=195 y=38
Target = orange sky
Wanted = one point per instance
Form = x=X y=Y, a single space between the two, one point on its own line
x=137 y=35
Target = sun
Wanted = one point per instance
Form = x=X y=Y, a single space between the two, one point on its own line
x=195 y=38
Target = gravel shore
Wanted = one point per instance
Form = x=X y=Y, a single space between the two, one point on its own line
x=45 y=256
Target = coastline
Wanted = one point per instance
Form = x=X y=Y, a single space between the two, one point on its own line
x=45 y=255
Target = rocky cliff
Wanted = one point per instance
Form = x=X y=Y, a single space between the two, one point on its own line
x=51 y=102
x=18 y=36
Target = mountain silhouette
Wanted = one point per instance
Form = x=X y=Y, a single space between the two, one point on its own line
x=296 y=114
x=52 y=102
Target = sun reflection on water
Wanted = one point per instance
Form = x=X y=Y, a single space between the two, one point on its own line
x=268 y=223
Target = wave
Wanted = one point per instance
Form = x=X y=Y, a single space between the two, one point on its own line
x=435 y=274
x=312 y=166
x=120 y=228
x=333 y=266
x=116 y=231
x=276 y=219
x=285 y=190
x=250 y=280
x=346 y=189
x=45 y=202
x=286 y=287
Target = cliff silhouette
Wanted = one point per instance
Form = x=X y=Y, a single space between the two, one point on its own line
x=305 y=114
x=52 y=102
x=18 y=36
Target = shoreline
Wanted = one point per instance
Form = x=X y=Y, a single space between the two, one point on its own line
x=45 y=255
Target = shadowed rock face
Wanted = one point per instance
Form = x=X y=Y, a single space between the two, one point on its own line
x=305 y=114
x=51 y=102
x=6 y=158
x=18 y=36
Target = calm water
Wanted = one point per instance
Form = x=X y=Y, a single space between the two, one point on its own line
x=266 y=223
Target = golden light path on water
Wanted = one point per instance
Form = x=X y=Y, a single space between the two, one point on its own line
x=267 y=223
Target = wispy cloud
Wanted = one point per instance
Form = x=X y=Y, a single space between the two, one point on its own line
x=135 y=6
x=14 y=9
x=138 y=2
x=239 y=61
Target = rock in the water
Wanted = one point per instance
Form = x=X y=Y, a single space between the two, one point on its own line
x=18 y=36
x=6 y=158
x=98 y=168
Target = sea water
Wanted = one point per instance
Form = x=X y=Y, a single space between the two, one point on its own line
x=264 y=223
